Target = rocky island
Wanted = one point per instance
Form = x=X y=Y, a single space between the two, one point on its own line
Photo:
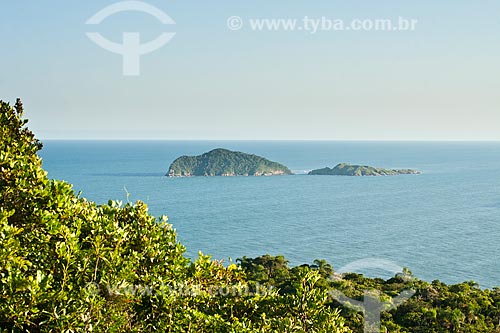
x=223 y=162
x=345 y=169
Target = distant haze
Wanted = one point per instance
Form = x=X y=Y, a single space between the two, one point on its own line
x=439 y=82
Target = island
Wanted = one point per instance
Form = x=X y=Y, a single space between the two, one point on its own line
x=223 y=162
x=345 y=169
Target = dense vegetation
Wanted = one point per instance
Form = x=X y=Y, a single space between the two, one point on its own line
x=344 y=169
x=435 y=307
x=70 y=265
x=223 y=162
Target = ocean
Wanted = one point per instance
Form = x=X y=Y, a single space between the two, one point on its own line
x=443 y=224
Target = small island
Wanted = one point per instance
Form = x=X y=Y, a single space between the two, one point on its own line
x=345 y=169
x=223 y=162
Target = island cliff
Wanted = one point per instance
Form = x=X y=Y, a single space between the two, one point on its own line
x=345 y=169
x=223 y=162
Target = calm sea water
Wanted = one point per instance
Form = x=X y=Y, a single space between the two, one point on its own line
x=443 y=224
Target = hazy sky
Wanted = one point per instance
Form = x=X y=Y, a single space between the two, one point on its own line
x=440 y=82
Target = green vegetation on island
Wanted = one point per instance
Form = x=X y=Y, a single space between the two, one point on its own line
x=223 y=162
x=70 y=265
x=345 y=169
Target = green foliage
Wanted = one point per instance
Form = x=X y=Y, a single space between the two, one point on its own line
x=435 y=307
x=223 y=162
x=55 y=245
x=267 y=270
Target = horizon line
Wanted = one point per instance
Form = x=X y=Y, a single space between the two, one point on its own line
x=267 y=140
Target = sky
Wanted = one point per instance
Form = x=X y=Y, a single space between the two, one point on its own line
x=438 y=82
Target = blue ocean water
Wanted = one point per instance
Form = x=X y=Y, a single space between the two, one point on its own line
x=443 y=224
